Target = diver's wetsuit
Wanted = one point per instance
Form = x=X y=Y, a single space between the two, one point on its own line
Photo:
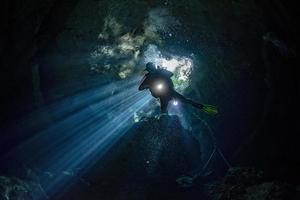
x=167 y=93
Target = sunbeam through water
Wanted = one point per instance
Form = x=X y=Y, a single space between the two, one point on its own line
x=83 y=131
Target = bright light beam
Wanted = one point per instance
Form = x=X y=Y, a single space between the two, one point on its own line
x=83 y=135
x=89 y=150
x=61 y=109
x=71 y=125
x=175 y=103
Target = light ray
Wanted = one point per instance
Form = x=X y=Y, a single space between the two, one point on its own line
x=86 y=126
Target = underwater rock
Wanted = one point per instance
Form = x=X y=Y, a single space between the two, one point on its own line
x=243 y=175
x=161 y=148
x=15 y=188
x=250 y=184
x=149 y=159
x=160 y=151
x=271 y=190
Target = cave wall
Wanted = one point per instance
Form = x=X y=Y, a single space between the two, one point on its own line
x=28 y=30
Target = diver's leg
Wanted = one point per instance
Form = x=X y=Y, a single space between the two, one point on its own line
x=209 y=109
x=183 y=99
x=164 y=105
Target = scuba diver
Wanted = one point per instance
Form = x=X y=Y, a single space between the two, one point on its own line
x=159 y=82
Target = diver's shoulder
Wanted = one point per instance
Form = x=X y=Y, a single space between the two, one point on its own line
x=165 y=72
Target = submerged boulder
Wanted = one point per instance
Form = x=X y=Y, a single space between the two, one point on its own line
x=158 y=151
x=162 y=149
x=246 y=183
x=147 y=161
x=16 y=188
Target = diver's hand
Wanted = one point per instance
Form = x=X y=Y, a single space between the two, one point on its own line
x=143 y=84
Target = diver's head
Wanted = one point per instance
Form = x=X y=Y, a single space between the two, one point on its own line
x=150 y=67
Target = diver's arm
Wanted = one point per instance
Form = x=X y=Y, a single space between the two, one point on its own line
x=143 y=84
x=166 y=73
